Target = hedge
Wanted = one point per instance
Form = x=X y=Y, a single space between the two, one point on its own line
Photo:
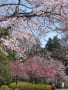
x=4 y=87
x=25 y=86
x=29 y=86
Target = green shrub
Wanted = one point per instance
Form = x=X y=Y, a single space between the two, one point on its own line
x=42 y=87
x=4 y=87
x=29 y=86
x=13 y=85
x=4 y=33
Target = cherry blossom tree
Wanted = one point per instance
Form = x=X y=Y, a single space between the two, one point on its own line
x=38 y=15
x=31 y=20
x=32 y=70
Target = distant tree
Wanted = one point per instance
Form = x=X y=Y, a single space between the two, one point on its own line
x=5 y=69
x=58 y=50
x=56 y=43
x=54 y=46
x=49 y=45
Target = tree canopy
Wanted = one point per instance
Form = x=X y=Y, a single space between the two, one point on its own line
x=39 y=16
x=31 y=20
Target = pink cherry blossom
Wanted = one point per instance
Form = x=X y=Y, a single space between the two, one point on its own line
x=32 y=69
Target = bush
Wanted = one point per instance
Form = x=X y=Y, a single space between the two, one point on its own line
x=14 y=86
x=42 y=87
x=29 y=86
x=4 y=87
x=4 y=33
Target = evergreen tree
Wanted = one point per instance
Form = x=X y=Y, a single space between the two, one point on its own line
x=49 y=45
x=5 y=69
x=56 y=43
x=54 y=46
